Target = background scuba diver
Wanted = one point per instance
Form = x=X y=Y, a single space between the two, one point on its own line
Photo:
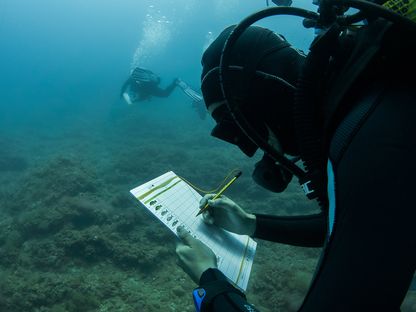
x=143 y=84
x=369 y=255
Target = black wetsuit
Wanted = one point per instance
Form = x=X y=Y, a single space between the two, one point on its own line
x=144 y=90
x=369 y=238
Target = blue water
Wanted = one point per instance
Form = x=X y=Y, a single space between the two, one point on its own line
x=65 y=58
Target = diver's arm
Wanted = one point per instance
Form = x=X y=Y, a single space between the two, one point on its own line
x=220 y=295
x=125 y=85
x=215 y=293
x=305 y=231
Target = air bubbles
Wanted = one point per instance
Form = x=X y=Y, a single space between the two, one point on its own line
x=163 y=19
x=156 y=32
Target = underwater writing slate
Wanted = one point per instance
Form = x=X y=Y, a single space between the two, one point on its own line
x=175 y=203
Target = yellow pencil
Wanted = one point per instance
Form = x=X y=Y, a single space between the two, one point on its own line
x=220 y=192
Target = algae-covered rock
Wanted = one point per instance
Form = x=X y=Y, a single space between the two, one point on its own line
x=12 y=163
x=300 y=280
x=88 y=245
x=42 y=254
x=78 y=212
x=50 y=183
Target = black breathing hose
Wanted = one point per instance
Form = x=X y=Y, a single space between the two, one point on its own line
x=238 y=116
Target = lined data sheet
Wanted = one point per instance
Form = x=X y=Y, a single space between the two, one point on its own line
x=176 y=203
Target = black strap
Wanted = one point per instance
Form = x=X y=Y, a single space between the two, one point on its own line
x=216 y=288
x=368 y=46
x=352 y=123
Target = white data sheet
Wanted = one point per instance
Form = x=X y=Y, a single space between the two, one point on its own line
x=175 y=203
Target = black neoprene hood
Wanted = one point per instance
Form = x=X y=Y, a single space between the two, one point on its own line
x=267 y=59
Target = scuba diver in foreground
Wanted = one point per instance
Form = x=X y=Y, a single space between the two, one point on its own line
x=349 y=112
x=143 y=84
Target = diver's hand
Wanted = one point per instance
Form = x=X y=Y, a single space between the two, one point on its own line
x=225 y=213
x=193 y=256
